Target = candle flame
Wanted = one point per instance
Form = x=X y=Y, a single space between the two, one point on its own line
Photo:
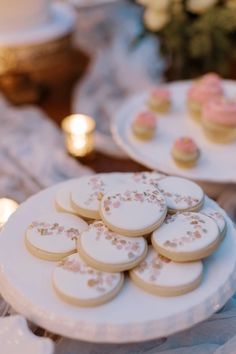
x=78 y=124
x=7 y=207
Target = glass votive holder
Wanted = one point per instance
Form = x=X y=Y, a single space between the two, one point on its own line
x=7 y=207
x=79 y=134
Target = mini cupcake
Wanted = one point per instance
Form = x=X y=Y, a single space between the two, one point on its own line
x=159 y=100
x=201 y=92
x=185 y=152
x=219 y=120
x=144 y=125
x=211 y=79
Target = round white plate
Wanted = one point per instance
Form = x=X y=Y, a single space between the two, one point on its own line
x=89 y=3
x=217 y=162
x=134 y=315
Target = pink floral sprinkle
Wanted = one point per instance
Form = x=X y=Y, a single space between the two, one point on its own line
x=147 y=119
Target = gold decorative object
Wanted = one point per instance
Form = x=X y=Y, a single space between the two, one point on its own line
x=26 y=70
x=33 y=57
x=7 y=207
x=79 y=134
x=37 y=59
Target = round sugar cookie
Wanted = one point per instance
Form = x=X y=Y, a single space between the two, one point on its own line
x=181 y=194
x=86 y=195
x=53 y=237
x=62 y=198
x=78 y=284
x=133 y=210
x=219 y=219
x=187 y=236
x=161 y=276
x=149 y=178
x=108 y=251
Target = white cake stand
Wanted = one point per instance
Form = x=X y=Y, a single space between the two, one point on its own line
x=133 y=316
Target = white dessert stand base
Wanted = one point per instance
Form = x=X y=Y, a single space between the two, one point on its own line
x=133 y=316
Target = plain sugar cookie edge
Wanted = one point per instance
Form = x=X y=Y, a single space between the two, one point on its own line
x=133 y=233
x=187 y=256
x=165 y=291
x=84 y=213
x=44 y=255
x=197 y=208
x=165 y=186
x=112 y=268
x=59 y=208
x=91 y=302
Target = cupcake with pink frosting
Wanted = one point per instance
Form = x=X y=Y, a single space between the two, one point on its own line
x=144 y=125
x=211 y=79
x=185 y=152
x=159 y=100
x=219 y=120
x=203 y=90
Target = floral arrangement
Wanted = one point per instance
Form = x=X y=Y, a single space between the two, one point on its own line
x=196 y=36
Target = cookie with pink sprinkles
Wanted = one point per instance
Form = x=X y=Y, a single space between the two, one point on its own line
x=133 y=210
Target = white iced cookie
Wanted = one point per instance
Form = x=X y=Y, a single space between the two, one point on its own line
x=160 y=276
x=186 y=237
x=54 y=237
x=219 y=219
x=149 y=178
x=86 y=196
x=108 y=251
x=181 y=194
x=133 y=210
x=79 y=284
x=62 y=198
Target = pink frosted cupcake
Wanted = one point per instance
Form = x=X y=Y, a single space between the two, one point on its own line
x=211 y=79
x=144 y=125
x=185 y=152
x=200 y=92
x=159 y=100
x=219 y=120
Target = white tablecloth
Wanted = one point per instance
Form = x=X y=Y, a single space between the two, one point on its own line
x=32 y=153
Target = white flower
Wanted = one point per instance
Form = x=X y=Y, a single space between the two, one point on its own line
x=155 y=20
x=200 y=6
x=177 y=6
x=143 y=2
x=159 y=5
x=231 y=3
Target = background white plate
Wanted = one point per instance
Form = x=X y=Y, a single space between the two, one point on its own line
x=217 y=162
x=25 y=282
x=89 y=3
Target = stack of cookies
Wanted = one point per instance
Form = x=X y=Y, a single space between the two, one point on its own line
x=147 y=227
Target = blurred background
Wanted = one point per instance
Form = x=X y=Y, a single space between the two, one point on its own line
x=45 y=44
x=89 y=56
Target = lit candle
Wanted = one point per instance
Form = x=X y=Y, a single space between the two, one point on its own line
x=7 y=207
x=79 y=137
